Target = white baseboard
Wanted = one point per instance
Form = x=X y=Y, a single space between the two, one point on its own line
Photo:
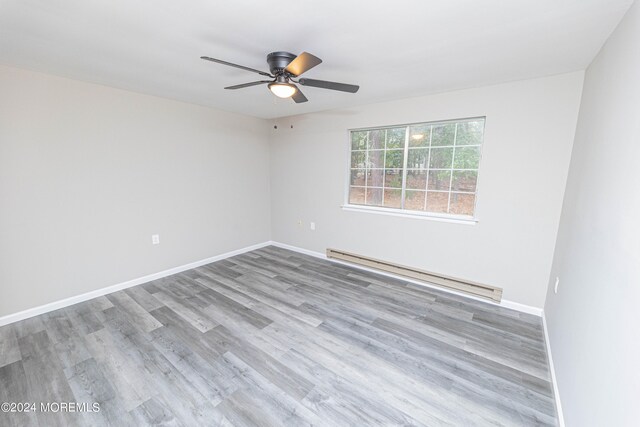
x=536 y=311
x=31 y=312
x=21 y=315
x=523 y=308
x=554 y=382
x=300 y=250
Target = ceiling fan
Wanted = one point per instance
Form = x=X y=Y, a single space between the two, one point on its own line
x=285 y=69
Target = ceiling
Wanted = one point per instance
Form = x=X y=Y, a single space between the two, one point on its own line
x=392 y=49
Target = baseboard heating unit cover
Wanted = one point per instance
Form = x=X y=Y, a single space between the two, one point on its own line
x=460 y=285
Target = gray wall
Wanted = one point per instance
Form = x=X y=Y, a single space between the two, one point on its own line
x=594 y=320
x=89 y=173
x=528 y=137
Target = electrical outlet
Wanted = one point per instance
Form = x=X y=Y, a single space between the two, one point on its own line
x=299 y=223
x=312 y=226
x=155 y=239
x=555 y=288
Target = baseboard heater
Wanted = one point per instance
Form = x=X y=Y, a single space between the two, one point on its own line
x=472 y=288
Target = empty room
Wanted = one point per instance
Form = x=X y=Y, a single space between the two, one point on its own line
x=319 y=213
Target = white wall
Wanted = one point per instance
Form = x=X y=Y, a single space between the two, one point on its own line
x=528 y=137
x=594 y=319
x=89 y=173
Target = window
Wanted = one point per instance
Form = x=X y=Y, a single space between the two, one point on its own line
x=425 y=167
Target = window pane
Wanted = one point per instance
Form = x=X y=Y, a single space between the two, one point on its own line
x=374 y=196
x=462 y=204
x=443 y=134
x=375 y=177
x=358 y=159
x=470 y=133
x=414 y=200
x=467 y=158
x=376 y=139
x=394 y=159
x=464 y=181
x=439 y=180
x=393 y=198
x=375 y=159
x=418 y=158
x=419 y=135
x=395 y=137
x=393 y=178
x=417 y=179
x=437 y=202
x=356 y=195
x=359 y=140
x=441 y=158
x=357 y=177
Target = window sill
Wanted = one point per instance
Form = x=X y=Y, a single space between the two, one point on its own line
x=408 y=214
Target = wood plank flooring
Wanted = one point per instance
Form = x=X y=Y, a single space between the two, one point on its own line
x=276 y=338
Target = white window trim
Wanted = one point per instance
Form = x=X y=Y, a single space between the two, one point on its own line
x=456 y=219
x=407 y=213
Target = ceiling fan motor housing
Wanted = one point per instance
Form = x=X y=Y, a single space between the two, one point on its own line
x=278 y=61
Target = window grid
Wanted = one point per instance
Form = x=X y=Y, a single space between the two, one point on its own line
x=426 y=185
x=366 y=168
x=453 y=156
x=404 y=168
x=415 y=189
x=474 y=134
x=418 y=169
x=421 y=148
x=384 y=163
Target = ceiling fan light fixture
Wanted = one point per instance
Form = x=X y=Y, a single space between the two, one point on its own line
x=282 y=90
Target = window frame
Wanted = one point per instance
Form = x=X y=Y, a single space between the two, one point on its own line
x=403 y=212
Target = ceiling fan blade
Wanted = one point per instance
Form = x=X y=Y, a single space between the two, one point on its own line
x=343 y=87
x=230 y=64
x=299 y=97
x=303 y=62
x=248 y=84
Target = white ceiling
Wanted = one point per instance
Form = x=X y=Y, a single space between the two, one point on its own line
x=392 y=49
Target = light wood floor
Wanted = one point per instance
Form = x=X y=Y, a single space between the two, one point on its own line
x=273 y=337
